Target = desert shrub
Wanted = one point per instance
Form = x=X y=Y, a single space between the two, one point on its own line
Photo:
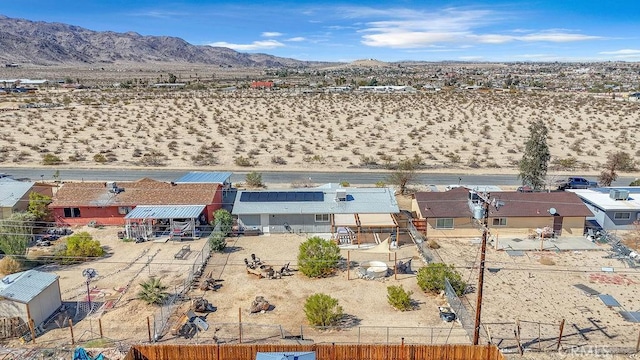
x=79 y=246
x=51 y=159
x=279 y=160
x=344 y=183
x=380 y=184
x=322 y=310
x=153 y=291
x=433 y=244
x=217 y=241
x=254 y=179
x=9 y=265
x=244 y=161
x=15 y=233
x=399 y=298
x=635 y=182
x=318 y=257
x=99 y=158
x=431 y=278
x=153 y=158
x=547 y=261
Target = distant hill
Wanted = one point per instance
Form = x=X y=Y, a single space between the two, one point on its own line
x=43 y=43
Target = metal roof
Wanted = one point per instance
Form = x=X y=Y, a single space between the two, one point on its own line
x=600 y=198
x=165 y=212
x=26 y=285
x=11 y=191
x=281 y=196
x=360 y=201
x=205 y=177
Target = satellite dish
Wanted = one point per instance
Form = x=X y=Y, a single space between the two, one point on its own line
x=553 y=211
x=89 y=273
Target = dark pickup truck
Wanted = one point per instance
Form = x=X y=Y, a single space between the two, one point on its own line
x=575 y=183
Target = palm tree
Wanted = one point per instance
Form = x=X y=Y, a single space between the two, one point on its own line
x=153 y=291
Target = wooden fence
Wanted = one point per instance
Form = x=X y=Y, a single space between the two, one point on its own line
x=323 y=352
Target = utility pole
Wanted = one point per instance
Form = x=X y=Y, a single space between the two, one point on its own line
x=483 y=252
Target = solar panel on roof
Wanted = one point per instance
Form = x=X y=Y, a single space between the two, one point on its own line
x=281 y=196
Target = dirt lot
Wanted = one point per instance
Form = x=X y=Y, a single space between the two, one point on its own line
x=538 y=290
x=369 y=317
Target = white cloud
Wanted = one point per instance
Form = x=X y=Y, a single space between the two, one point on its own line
x=416 y=29
x=271 y=34
x=256 y=45
x=621 y=52
x=296 y=39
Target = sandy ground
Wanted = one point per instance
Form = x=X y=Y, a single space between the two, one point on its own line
x=540 y=296
x=475 y=131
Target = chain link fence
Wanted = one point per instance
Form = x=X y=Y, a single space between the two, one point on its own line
x=421 y=242
x=467 y=320
x=167 y=309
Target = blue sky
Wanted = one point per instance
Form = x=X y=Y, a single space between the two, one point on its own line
x=559 y=30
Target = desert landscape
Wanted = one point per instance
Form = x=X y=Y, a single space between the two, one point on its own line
x=288 y=129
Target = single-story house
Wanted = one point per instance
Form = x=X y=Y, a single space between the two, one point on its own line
x=453 y=213
x=14 y=195
x=613 y=208
x=30 y=295
x=329 y=209
x=212 y=177
x=262 y=85
x=79 y=203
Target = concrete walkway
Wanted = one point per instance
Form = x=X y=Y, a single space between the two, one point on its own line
x=562 y=244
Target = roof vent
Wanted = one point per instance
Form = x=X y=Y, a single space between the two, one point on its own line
x=341 y=195
x=112 y=187
x=617 y=194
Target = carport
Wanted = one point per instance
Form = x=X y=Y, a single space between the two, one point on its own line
x=178 y=221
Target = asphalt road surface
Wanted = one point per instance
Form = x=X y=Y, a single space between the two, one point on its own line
x=272 y=177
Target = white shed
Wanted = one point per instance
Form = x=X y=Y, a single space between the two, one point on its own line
x=30 y=295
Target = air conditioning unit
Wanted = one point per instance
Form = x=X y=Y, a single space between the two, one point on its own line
x=341 y=195
x=617 y=194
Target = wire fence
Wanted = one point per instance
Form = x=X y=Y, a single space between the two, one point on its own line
x=421 y=243
x=168 y=308
x=463 y=315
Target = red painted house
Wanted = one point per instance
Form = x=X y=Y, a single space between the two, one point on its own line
x=262 y=85
x=108 y=203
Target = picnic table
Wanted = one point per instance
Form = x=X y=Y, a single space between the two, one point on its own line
x=184 y=251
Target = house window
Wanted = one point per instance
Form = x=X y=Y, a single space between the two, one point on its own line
x=322 y=217
x=445 y=223
x=500 y=222
x=71 y=212
x=622 y=216
x=124 y=210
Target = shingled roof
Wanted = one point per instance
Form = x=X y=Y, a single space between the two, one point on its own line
x=454 y=204
x=142 y=192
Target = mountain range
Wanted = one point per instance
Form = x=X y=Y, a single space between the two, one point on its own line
x=43 y=43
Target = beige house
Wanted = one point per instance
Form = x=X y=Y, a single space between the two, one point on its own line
x=14 y=195
x=449 y=214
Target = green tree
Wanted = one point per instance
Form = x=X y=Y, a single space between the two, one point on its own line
x=431 y=278
x=224 y=218
x=322 y=310
x=15 y=233
x=254 y=179
x=318 y=257
x=404 y=174
x=153 y=291
x=399 y=298
x=618 y=161
x=534 y=163
x=635 y=182
x=38 y=206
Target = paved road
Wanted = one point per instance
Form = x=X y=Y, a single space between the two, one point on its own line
x=271 y=177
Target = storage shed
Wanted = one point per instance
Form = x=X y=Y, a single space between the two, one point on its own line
x=30 y=295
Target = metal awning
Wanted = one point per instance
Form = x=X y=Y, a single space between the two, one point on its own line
x=344 y=220
x=377 y=220
x=166 y=212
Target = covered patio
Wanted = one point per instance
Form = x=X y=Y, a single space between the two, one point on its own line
x=174 y=221
x=357 y=229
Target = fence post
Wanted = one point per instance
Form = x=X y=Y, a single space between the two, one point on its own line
x=100 y=326
x=301 y=334
x=395 y=266
x=32 y=329
x=560 y=336
x=638 y=342
x=148 y=328
x=240 y=325
x=517 y=333
x=348 y=262
x=73 y=340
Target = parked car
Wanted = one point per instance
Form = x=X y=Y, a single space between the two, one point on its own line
x=446 y=314
x=575 y=183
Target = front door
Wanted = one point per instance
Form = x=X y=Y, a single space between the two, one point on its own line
x=557 y=225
